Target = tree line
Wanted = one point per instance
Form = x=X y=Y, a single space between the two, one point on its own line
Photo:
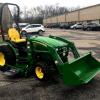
x=37 y=14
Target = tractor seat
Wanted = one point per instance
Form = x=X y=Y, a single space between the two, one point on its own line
x=14 y=36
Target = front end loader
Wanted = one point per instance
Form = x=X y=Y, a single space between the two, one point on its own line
x=43 y=57
x=72 y=68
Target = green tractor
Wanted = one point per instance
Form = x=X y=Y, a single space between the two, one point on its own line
x=44 y=57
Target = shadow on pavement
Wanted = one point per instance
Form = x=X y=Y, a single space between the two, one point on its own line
x=30 y=89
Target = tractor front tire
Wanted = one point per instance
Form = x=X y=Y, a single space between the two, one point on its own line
x=42 y=72
x=7 y=55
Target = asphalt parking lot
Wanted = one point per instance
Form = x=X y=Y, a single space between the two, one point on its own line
x=30 y=89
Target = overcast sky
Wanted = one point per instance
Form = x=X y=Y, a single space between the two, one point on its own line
x=66 y=3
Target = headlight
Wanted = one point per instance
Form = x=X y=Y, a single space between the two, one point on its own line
x=56 y=62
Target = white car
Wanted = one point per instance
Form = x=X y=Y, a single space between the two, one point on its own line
x=77 y=26
x=34 y=28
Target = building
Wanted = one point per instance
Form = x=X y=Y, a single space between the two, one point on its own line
x=88 y=14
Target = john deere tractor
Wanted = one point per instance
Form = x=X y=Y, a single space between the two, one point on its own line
x=43 y=57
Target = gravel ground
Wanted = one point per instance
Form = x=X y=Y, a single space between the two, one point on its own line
x=29 y=89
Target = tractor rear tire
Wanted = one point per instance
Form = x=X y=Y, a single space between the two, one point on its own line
x=8 y=53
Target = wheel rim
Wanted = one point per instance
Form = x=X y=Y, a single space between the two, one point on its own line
x=39 y=72
x=2 y=59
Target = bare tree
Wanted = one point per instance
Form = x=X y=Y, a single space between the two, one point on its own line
x=37 y=14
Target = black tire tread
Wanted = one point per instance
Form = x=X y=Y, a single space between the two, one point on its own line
x=9 y=53
x=46 y=71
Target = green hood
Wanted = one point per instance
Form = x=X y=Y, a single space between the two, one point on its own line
x=48 y=41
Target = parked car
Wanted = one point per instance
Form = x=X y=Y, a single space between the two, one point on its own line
x=91 y=26
x=64 y=26
x=48 y=26
x=33 y=28
x=77 y=26
x=55 y=25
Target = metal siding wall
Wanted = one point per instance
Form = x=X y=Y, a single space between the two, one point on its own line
x=48 y=20
x=92 y=13
x=55 y=19
x=72 y=17
x=61 y=18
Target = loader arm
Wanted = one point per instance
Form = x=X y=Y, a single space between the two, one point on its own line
x=70 y=45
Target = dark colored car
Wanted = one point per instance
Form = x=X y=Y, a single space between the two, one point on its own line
x=49 y=26
x=64 y=26
x=91 y=27
x=56 y=25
